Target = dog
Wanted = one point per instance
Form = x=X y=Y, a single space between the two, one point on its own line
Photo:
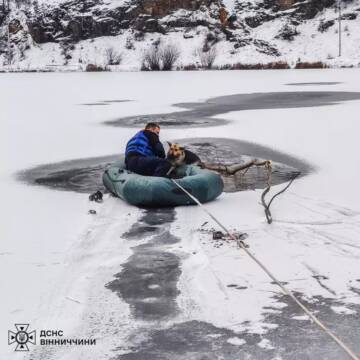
x=178 y=156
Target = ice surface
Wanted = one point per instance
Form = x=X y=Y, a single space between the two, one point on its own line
x=56 y=259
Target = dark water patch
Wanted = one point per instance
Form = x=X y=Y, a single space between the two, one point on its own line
x=256 y=178
x=158 y=216
x=150 y=223
x=201 y=114
x=104 y=102
x=314 y=83
x=290 y=338
x=164 y=238
x=301 y=339
x=192 y=340
x=81 y=175
x=148 y=280
x=148 y=283
x=115 y=101
x=138 y=230
x=95 y=104
x=85 y=175
x=229 y=151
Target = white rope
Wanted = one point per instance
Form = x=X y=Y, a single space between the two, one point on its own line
x=268 y=272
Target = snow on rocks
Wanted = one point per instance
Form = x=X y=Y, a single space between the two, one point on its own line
x=251 y=32
x=236 y=341
x=343 y=310
x=265 y=344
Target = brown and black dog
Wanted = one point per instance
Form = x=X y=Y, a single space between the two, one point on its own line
x=178 y=155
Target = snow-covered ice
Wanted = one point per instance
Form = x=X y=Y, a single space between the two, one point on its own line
x=56 y=258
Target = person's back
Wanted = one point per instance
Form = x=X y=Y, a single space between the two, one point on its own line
x=145 y=155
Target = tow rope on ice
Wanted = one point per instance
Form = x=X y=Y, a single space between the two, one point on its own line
x=285 y=290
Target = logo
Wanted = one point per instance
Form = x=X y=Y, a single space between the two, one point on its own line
x=22 y=337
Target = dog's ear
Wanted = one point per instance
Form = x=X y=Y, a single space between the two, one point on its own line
x=169 y=143
x=182 y=148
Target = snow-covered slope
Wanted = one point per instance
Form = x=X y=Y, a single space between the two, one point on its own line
x=71 y=34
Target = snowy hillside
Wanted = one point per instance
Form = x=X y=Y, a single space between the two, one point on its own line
x=132 y=34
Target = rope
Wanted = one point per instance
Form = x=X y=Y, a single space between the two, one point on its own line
x=268 y=215
x=284 y=189
x=286 y=291
x=268 y=167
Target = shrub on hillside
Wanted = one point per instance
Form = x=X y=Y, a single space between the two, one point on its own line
x=112 y=57
x=151 y=59
x=206 y=58
x=94 y=68
x=160 y=57
x=287 y=32
x=277 y=65
x=324 y=25
x=169 y=54
x=311 y=65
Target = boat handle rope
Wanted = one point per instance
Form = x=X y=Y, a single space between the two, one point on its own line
x=286 y=291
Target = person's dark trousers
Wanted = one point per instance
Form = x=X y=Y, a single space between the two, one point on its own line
x=148 y=166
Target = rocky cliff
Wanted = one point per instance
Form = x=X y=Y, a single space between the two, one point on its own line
x=75 y=33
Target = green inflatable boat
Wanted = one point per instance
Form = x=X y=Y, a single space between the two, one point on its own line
x=150 y=191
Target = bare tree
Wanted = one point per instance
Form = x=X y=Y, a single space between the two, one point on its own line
x=151 y=59
x=169 y=54
x=112 y=56
x=160 y=57
x=207 y=58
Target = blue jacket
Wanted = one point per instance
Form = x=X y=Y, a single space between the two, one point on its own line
x=145 y=143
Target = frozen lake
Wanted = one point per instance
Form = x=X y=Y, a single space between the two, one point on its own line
x=153 y=284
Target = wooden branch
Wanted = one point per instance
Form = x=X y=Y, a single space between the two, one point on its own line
x=233 y=169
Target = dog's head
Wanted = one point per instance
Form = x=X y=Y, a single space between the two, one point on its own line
x=176 y=154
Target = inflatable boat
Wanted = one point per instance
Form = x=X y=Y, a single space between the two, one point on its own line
x=150 y=191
